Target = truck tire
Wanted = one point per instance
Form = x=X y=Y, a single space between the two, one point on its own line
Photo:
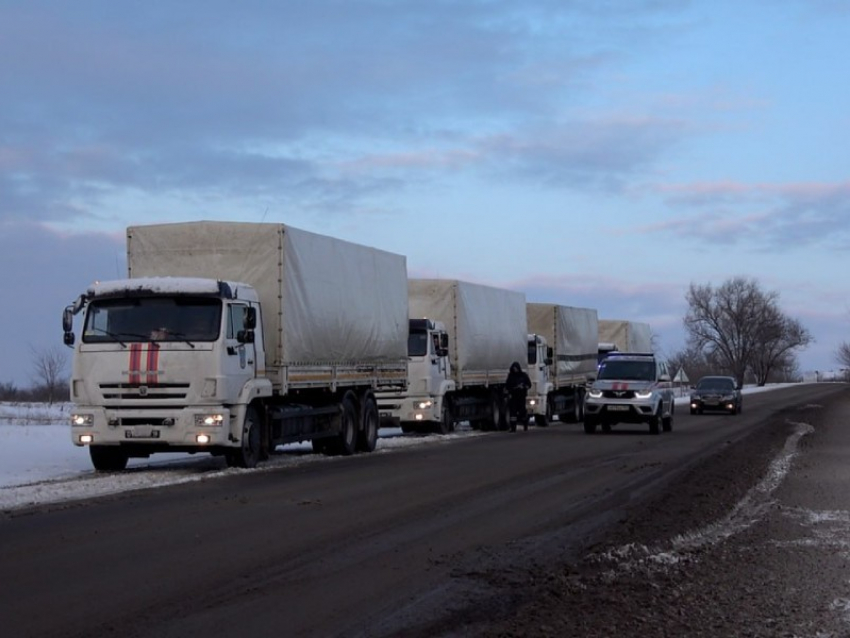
x=580 y=400
x=367 y=437
x=248 y=453
x=446 y=424
x=108 y=459
x=575 y=413
x=346 y=443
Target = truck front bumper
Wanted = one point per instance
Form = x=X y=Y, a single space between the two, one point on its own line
x=199 y=427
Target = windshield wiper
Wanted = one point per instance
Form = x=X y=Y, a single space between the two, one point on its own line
x=182 y=337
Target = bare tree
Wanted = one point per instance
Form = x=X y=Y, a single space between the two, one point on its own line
x=48 y=369
x=842 y=355
x=695 y=363
x=778 y=339
x=740 y=327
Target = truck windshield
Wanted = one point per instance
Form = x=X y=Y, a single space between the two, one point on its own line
x=417 y=343
x=620 y=370
x=184 y=319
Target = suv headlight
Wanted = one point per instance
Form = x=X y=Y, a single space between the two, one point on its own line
x=594 y=393
x=643 y=394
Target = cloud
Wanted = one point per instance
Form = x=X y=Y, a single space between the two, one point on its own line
x=775 y=216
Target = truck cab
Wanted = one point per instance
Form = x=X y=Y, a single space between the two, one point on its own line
x=429 y=379
x=539 y=362
x=163 y=365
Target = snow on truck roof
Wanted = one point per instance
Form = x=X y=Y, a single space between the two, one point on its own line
x=165 y=285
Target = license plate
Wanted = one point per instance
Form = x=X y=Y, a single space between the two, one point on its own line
x=618 y=408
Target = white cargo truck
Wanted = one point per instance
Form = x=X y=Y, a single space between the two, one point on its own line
x=232 y=338
x=617 y=335
x=463 y=339
x=562 y=354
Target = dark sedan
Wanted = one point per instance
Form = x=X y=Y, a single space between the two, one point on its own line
x=716 y=393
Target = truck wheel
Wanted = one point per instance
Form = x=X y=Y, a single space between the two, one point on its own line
x=367 y=438
x=108 y=459
x=575 y=413
x=497 y=415
x=446 y=424
x=347 y=440
x=248 y=452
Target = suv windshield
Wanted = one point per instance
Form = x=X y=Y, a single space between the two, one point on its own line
x=152 y=319
x=613 y=368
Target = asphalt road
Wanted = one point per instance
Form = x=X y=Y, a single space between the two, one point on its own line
x=456 y=539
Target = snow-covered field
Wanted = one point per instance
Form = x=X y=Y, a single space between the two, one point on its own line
x=40 y=465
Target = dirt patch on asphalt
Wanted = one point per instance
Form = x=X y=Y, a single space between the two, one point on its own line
x=645 y=578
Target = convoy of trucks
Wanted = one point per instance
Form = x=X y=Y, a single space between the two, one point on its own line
x=233 y=338
x=463 y=339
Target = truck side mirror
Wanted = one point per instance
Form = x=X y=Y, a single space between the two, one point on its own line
x=443 y=348
x=249 y=318
x=68 y=325
x=550 y=352
x=68 y=319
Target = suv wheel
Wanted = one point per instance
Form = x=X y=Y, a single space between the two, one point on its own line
x=655 y=422
x=667 y=423
x=589 y=425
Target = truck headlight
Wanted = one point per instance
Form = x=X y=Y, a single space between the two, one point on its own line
x=424 y=405
x=82 y=420
x=209 y=420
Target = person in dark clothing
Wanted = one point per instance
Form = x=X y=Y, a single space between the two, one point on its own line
x=517 y=385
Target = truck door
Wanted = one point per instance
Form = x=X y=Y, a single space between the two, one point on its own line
x=240 y=363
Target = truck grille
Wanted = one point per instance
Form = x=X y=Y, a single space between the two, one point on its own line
x=143 y=392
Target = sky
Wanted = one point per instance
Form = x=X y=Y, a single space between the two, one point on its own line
x=590 y=153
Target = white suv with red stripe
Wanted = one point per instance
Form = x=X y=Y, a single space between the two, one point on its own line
x=630 y=388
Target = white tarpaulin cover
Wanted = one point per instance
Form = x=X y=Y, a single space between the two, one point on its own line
x=630 y=336
x=486 y=325
x=572 y=332
x=324 y=300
